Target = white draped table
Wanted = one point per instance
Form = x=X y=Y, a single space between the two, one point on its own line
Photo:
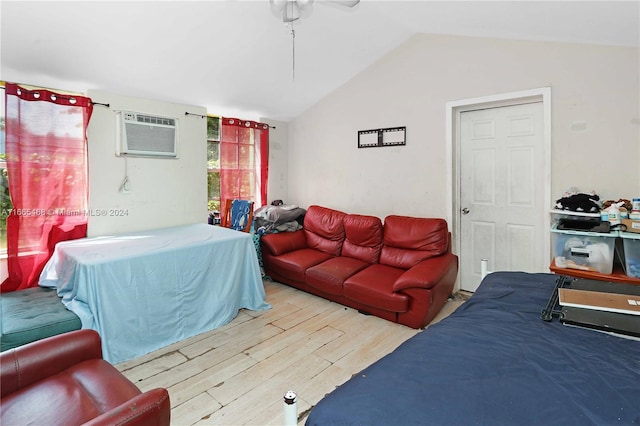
x=146 y=290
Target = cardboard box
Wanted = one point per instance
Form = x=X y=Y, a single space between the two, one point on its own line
x=632 y=225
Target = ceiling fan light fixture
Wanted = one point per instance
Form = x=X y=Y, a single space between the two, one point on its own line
x=291 y=12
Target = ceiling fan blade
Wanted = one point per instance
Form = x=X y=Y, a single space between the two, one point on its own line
x=347 y=3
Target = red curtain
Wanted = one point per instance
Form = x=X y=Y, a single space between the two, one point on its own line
x=244 y=160
x=46 y=156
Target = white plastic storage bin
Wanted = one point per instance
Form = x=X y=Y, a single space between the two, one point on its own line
x=587 y=251
x=631 y=244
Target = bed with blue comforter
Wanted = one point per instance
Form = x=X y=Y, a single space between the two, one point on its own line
x=495 y=362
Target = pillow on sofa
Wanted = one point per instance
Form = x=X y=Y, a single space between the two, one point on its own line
x=324 y=229
x=363 y=237
x=409 y=240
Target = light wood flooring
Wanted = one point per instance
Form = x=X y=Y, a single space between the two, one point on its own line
x=237 y=374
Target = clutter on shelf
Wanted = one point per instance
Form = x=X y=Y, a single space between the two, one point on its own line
x=587 y=232
x=579 y=202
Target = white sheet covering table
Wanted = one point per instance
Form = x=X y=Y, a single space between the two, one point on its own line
x=146 y=290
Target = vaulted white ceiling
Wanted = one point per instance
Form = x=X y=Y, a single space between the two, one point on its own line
x=235 y=57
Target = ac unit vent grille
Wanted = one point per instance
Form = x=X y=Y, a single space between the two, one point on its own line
x=142 y=139
x=155 y=120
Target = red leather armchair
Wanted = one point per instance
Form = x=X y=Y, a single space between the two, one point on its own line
x=63 y=380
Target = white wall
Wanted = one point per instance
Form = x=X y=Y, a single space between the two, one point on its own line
x=163 y=192
x=593 y=87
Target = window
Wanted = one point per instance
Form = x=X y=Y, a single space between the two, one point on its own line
x=213 y=163
x=46 y=158
x=237 y=156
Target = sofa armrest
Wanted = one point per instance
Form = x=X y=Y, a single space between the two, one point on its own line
x=150 y=408
x=284 y=242
x=427 y=273
x=30 y=363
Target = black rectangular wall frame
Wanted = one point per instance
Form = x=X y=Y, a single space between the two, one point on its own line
x=391 y=136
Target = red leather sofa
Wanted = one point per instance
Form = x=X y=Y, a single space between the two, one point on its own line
x=63 y=380
x=402 y=270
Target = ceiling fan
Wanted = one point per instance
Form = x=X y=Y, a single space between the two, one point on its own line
x=292 y=10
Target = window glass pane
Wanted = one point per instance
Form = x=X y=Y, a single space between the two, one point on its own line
x=247 y=187
x=213 y=163
x=213 y=184
x=228 y=155
x=245 y=135
x=213 y=155
x=231 y=183
x=213 y=128
x=246 y=156
x=229 y=134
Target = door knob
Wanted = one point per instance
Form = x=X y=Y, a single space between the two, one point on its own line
x=465 y=211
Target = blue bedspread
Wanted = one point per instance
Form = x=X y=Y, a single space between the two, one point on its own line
x=494 y=362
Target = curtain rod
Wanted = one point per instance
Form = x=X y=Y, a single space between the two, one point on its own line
x=108 y=105
x=216 y=116
x=51 y=89
x=58 y=91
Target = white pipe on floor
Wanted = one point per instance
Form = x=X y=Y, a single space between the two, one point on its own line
x=483 y=268
x=290 y=409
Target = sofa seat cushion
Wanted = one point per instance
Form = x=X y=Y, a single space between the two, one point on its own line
x=295 y=263
x=329 y=276
x=33 y=314
x=95 y=386
x=373 y=286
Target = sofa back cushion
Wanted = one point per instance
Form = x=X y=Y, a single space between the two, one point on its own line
x=324 y=229
x=363 y=237
x=409 y=240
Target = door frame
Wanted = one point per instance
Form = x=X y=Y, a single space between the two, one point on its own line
x=453 y=111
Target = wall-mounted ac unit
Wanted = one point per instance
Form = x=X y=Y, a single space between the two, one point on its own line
x=147 y=135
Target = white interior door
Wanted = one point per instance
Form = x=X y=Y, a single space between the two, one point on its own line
x=501 y=190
